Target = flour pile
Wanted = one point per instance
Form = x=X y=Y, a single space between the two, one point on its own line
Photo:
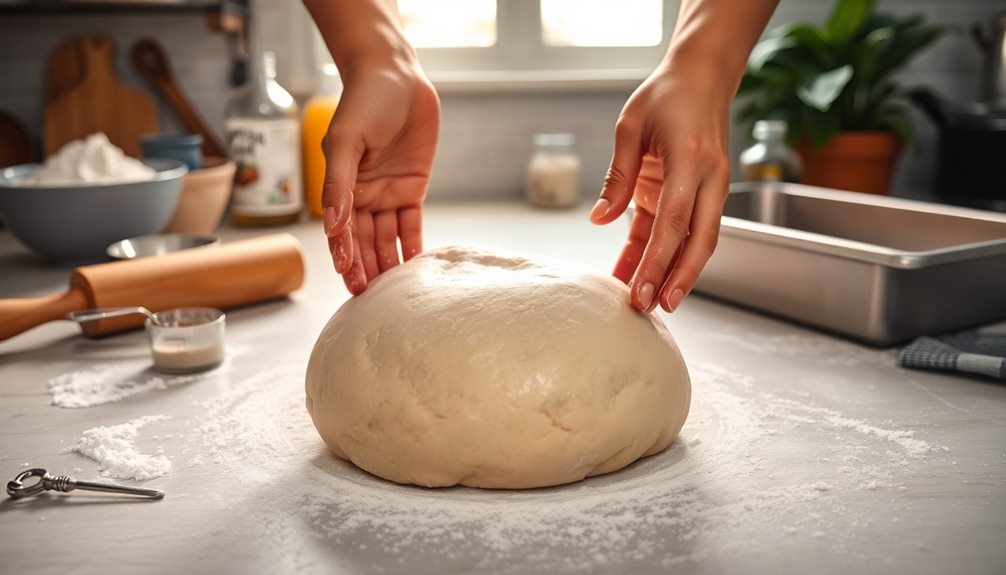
x=93 y=160
x=114 y=448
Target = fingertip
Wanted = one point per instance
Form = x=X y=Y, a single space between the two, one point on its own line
x=674 y=300
x=644 y=295
x=356 y=281
x=599 y=210
x=663 y=304
x=673 y=293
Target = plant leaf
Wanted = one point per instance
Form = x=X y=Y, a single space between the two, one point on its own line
x=749 y=83
x=847 y=18
x=821 y=91
x=767 y=49
x=809 y=38
x=866 y=53
x=907 y=42
x=819 y=127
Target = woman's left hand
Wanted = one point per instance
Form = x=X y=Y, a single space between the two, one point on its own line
x=671 y=157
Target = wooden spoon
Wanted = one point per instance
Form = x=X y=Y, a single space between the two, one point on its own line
x=152 y=63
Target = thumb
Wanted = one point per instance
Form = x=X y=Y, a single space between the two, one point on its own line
x=620 y=181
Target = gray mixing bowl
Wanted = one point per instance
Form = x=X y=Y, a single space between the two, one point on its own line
x=75 y=224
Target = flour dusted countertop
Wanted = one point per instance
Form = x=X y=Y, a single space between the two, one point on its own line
x=803 y=452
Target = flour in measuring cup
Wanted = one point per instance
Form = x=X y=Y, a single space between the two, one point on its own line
x=180 y=356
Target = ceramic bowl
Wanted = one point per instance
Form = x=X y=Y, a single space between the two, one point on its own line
x=75 y=224
x=205 y=194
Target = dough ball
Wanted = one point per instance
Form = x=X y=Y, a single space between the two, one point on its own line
x=490 y=369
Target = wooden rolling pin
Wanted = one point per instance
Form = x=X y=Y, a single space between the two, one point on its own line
x=236 y=273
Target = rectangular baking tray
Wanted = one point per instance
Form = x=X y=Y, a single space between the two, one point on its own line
x=877 y=269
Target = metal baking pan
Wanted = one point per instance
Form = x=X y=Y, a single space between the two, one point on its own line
x=877 y=269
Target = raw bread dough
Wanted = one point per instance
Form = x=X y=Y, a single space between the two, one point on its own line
x=494 y=369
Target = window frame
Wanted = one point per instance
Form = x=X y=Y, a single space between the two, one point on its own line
x=520 y=59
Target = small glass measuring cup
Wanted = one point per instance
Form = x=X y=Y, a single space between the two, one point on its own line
x=182 y=340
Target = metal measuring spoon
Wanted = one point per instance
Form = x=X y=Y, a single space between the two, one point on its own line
x=96 y=314
x=17 y=488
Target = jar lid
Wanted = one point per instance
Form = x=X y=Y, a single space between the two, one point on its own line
x=557 y=140
x=767 y=128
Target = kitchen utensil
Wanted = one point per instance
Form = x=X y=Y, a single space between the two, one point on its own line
x=186 y=340
x=158 y=245
x=878 y=269
x=182 y=340
x=185 y=148
x=234 y=274
x=15 y=144
x=152 y=63
x=992 y=43
x=205 y=194
x=46 y=482
x=96 y=314
x=970 y=166
x=74 y=224
x=99 y=103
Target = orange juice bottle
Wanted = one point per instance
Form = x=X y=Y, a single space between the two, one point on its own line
x=313 y=127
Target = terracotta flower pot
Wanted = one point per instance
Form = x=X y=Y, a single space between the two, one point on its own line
x=857 y=161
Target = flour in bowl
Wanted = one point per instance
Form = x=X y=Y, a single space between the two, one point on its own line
x=93 y=160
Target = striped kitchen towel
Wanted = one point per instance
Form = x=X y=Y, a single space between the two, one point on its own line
x=982 y=352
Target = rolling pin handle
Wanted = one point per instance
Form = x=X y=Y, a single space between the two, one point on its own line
x=20 y=315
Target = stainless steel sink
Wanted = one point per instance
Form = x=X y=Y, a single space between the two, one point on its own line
x=881 y=270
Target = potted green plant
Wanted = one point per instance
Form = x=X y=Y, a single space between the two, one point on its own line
x=834 y=86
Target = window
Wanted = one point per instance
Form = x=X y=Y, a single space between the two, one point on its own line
x=601 y=22
x=551 y=40
x=449 y=23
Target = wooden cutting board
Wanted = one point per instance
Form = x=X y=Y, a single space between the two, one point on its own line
x=65 y=68
x=99 y=102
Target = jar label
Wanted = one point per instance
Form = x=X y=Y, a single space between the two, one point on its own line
x=267 y=181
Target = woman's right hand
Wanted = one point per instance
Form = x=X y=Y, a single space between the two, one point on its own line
x=379 y=153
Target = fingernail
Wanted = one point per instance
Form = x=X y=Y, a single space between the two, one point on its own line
x=329 y=220
x=646 y=295
x=599 y=209
x=674 y=300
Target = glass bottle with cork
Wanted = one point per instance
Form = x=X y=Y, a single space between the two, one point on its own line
x=770 y=159
x=263 y=135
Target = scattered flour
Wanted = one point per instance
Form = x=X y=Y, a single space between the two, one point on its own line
x=700 y=500
x=114 y=448
x=93 y=160
x=905 y=438
x=727 y=489
x=115 y=381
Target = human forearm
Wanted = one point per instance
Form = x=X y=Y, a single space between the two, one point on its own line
x=718 y=35
x=359 y=32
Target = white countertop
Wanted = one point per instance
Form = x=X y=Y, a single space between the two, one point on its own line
x=803 y=452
